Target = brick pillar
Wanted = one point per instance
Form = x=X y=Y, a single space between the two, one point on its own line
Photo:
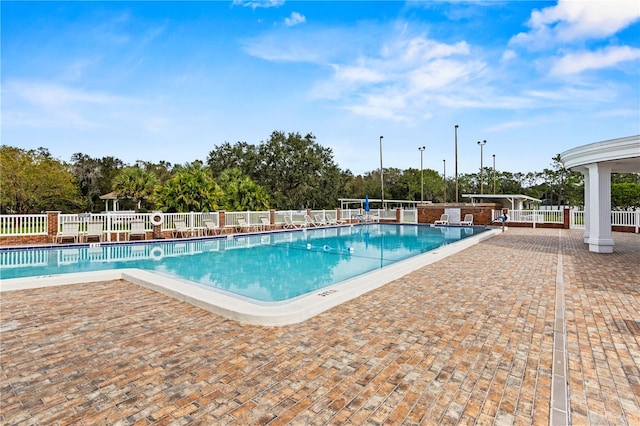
x=272 y=217
x=52 y=225
x=567 y=219
x=221 y=221
x=398 y=215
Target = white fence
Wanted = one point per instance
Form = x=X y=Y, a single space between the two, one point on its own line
x=18 y=225
x=576 y=220
x=618 y=218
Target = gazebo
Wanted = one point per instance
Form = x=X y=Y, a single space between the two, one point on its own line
x=111 y=196
x=597 y=161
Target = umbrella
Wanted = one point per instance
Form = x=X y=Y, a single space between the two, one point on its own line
x=366 y=203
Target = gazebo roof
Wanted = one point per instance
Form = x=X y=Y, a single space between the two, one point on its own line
x=110 y=196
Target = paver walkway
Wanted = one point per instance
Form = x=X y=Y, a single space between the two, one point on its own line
x=467 y=340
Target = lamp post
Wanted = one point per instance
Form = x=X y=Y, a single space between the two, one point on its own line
x=381 y=174
x=444 y=179
x=421 y=149
x=456 y=155
x=482 y=144
x=494 y=173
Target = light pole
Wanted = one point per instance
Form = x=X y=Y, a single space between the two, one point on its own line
x=444 y=179
x=381 y=174
x=456 y=155
x=482 y=144
x=494 y=173
x=421 y=149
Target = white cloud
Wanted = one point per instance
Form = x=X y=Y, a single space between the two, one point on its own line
x=294 y=19
x=54 y=95
x=571 y=20
x=254 y=4
x=508 y=55
x=575 y=63
x=49 y=105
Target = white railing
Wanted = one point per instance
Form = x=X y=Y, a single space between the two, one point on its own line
x=23 y=225
x=576 y=219
x=117 y=225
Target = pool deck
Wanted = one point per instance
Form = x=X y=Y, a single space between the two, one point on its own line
x=527 y=327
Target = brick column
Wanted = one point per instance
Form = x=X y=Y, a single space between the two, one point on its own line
x=52 y=225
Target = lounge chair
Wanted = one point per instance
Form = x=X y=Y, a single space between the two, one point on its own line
x=211 y=228
x=94 y=230
x=180 y=228
x=468 y=220
x=242 y=225
x=137 y=230
x=332 y=221
x=308 y=222
x=444 y=220
x=289 y=223
x=319 y=221
x=265 y=223
x=69 y=230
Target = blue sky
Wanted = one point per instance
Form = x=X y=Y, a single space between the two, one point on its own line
x=170 y=80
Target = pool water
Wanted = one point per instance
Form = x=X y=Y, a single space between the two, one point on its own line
x=268 y=267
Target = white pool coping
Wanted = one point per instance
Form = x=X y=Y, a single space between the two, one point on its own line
x=298 y=310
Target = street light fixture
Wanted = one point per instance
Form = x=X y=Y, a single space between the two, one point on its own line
x=456 y=155
x=482 y=144
x=421 y=149
x=444 y=179
x=381 y=174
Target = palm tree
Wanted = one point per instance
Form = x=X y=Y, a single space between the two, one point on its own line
x=136 y=184
x=191 y=188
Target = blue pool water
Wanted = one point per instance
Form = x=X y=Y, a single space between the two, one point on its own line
x=268 y=267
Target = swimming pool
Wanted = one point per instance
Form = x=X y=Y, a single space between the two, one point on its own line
x=269 y=269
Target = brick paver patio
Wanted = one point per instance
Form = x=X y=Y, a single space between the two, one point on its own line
x=467 y=340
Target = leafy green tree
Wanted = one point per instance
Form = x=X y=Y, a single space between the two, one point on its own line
x=241 y=192
x=242 y=156
x=33 y=181
x=625 y=195
x=191 y=188
x=94 y=177
x=136 y=184
x=297 y=172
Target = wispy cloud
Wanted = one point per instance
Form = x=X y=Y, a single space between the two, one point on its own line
x=254 y=4
x=295 y=19
x=575 y=63
x=53 y=105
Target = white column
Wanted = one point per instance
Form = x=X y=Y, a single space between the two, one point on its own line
x=587 y=203
x=600 y=239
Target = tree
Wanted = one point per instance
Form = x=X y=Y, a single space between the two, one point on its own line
x=241 y=192
x=136 y=184
x=625 y=195
x=94 y=177
x=191 y=188
x=33 y=181
x=297 y=172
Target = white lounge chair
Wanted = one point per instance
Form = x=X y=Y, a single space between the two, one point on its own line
x=332 y=221
x=468 y=220
x=265 y=223
x=318 y=221
x=289 y=223
x=444 y=220
x=137 y=230
x=68 y=230
x=180 y=228
x=94 y=230
x=211 y=228
x=242 y=225
x=308 y=222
